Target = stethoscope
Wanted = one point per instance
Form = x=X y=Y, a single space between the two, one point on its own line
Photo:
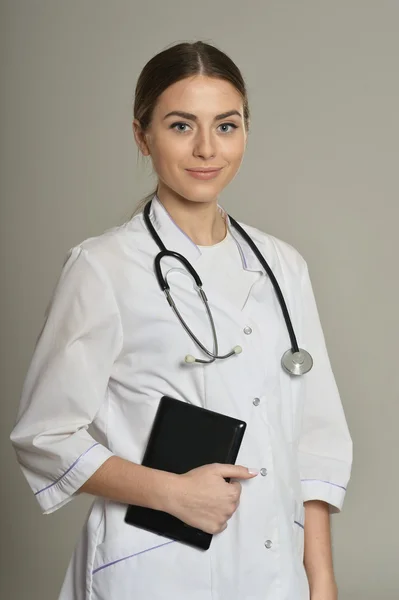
x=295 y=361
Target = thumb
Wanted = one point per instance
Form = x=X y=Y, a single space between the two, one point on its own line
x=237 y=471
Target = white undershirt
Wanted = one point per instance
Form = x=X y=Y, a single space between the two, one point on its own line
x=220 y=267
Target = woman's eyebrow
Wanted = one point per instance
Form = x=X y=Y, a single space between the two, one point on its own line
x=186 y=115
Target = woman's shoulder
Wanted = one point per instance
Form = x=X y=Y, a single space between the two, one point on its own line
x=110 y=246
x=115 y=236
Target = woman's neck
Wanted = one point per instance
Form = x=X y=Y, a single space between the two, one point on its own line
x=201 y=221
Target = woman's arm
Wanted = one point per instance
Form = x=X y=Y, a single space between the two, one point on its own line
x=66 y=383
x=200 y=498
x=127 y=482
x=325 y=445
x=318 y=554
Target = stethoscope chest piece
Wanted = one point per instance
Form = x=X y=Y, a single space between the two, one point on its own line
x=297 y=363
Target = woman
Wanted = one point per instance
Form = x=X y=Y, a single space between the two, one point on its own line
x=111 y=347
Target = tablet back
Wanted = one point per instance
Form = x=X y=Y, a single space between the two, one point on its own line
x=182 y=438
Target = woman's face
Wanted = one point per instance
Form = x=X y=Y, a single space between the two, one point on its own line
x=203 y=135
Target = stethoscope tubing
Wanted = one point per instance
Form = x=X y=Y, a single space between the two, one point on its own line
x=163 y=284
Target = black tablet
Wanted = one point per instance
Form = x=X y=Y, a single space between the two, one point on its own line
x=184 y=437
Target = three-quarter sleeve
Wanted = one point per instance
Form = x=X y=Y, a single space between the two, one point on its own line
x=325 y=446
x=67 y=383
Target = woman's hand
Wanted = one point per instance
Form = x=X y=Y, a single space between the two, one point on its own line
x=203 y=499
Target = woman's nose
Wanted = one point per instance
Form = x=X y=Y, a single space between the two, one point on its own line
x=204 y=145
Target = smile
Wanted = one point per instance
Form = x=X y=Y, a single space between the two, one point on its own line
x=204 y=174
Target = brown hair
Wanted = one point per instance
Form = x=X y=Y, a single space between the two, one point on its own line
x=182 y=60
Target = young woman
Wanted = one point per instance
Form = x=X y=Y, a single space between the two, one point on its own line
x=112 y=346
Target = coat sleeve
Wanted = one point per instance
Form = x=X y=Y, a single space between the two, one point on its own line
x=67 y=382
x=325 y=446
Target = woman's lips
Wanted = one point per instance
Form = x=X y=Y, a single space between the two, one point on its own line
x=204 y=174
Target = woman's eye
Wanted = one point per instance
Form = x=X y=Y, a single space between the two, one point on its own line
x=233 y=125
x=178 y=125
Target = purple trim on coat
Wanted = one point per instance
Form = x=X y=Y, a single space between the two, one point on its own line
x=300 y=524
x=329 y=482
x=67 y=471
x=130 y=556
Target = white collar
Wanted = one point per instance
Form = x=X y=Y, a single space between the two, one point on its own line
x=175 y=239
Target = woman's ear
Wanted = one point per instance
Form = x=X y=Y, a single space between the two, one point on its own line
x=140 y=138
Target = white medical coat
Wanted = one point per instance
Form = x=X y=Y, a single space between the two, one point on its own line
x=111 y=347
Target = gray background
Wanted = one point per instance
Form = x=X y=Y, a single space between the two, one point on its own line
x=321 y=172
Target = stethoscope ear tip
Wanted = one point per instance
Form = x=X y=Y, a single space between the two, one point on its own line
x=189 y=358
x=237 y=349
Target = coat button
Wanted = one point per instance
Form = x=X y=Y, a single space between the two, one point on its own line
x=256 y=401
x=268 y=544
x=263 y=472
x=247 y=330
